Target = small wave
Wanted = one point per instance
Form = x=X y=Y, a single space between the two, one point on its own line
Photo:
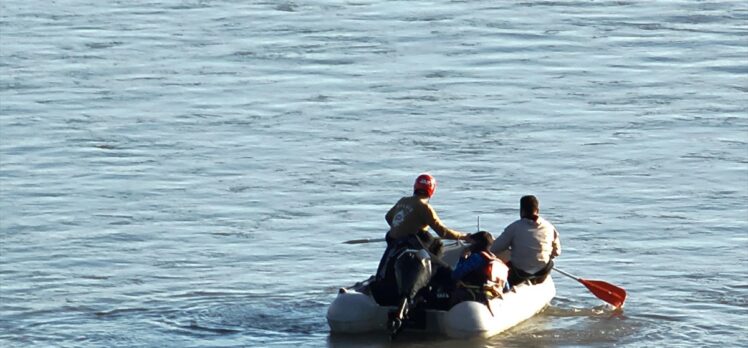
x=103 y=45
x=734 y=69
x=239 y=188
x=238 y=234
x=286 y=7
x=599 y=143
x=662 y=317
x=695 y=19
x=267 y=316
x=597 y=311
x=120 y=312
x=219 y=330
x=210 y=293
x=105 y=146
x=94 y=277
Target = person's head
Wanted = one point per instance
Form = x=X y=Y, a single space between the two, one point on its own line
x=481 y=241
x=529 y=207
x=425 y=185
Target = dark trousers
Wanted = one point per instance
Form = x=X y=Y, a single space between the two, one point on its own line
x=384 y=288
x=386 y=256
x=517 y=275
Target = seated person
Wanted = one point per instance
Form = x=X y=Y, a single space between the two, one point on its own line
x=533 y=241
x=479 y=274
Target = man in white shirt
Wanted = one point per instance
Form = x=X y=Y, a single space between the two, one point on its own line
x=533 y=241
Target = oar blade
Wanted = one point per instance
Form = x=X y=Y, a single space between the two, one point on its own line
x=605 y=291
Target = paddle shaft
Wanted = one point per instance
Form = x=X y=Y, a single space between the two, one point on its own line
x=362 y=241
x=567 y=274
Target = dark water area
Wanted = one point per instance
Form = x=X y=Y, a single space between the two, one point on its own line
x=182 y=173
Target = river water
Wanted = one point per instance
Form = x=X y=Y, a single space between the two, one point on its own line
x=182 y=173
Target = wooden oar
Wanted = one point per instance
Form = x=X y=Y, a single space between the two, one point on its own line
x=604 y=291
x=362 y=241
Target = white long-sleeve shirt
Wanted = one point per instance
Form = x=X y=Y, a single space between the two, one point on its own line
x=532 y=243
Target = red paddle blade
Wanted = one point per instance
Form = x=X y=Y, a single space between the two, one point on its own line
x=606 y=291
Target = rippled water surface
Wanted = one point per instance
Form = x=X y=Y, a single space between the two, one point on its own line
x=182 y=173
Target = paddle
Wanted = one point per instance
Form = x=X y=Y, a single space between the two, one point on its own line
x=362 y=241
x=604 y=291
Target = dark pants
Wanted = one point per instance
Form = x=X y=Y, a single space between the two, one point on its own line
x=415 y=241
x=387 y=255
x=517 y=275
x=384 y=289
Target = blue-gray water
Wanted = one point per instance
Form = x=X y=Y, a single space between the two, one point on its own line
x=181 y=173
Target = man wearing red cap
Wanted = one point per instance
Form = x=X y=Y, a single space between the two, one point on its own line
x=409 y=220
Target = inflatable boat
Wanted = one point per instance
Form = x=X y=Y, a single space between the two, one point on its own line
x=354 y=310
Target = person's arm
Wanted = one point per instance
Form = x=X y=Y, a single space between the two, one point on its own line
x=556 y=244
x=436 y=224
x=465 y=266
x=504 y=241
x=390 y=214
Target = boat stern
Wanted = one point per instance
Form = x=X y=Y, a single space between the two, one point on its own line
x=354 y=312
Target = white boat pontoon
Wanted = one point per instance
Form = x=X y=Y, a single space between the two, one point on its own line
x=354 y=310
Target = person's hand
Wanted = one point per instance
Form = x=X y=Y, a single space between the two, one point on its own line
x=467 y=238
